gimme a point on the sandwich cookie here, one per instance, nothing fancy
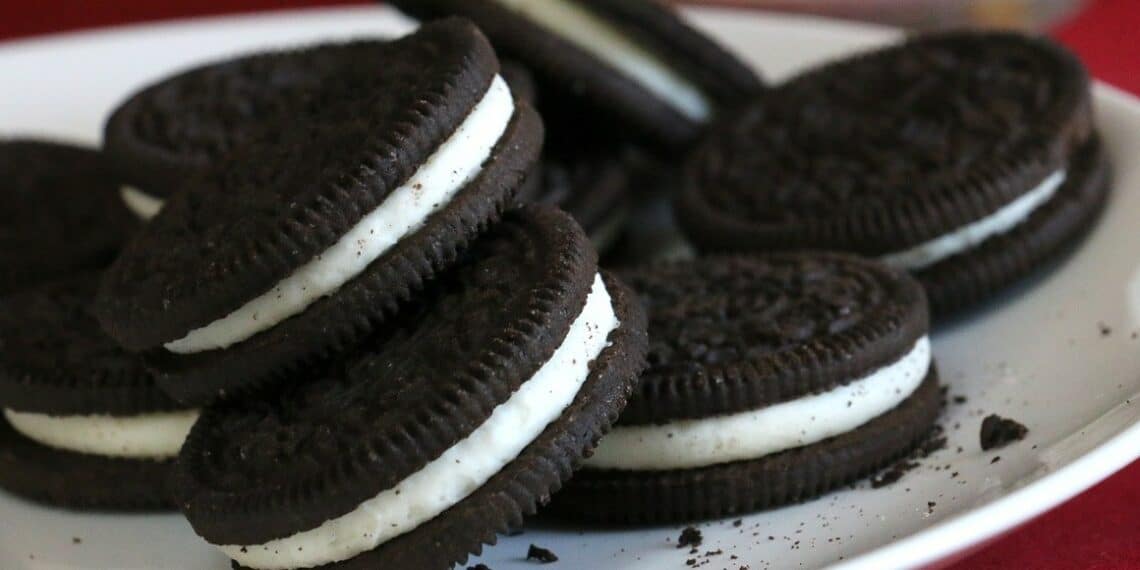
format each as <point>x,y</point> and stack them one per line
<point>442,430</point>
<point>83,424</point>
<point>636,61</point>
<point>966,158</point>
<point>301,243</point>
<point>185,124</point>
<point>771,380</point>
<point>59,213</point>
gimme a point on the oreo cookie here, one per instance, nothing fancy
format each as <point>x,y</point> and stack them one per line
<point>83,424</point>
<point>772,379</point>
<point>968,158</point>
<point>59,213</point>
<point>633,62</point>
<point>442,430</point>
<point>183,125</point>
<point>304,240</point>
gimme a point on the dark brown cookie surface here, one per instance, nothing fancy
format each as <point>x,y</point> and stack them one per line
<point>182,125</point>
<point>573,78</point>
<point>80,481</point>
<point>54,358</point>
<point>521,289</point>
<point>290,195</point>
<point>734,333</point>
<point>60,212</point>
<point>892,150</point>
<point>963,281</point>
<point>253,472</point>
<point>335,322</point>
<point>830,160</point>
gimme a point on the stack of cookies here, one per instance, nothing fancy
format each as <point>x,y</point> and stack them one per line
<point>325,303</point>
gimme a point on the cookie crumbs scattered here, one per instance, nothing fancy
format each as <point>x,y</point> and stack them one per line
<point>999,432</point>
<point>995,459</point>
<point>542,555</point>
<point>930,507</point>
<point>690,537</point>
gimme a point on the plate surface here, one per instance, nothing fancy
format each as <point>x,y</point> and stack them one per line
<point>1060,354</point>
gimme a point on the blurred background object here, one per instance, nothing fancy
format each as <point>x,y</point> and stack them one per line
<point>930,14</point>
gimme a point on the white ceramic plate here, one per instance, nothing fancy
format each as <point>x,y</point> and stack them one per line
<point>1041,356</point>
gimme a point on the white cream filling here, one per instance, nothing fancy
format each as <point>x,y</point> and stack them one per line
<point>456,162</point>
<point>971,235</point>
<point>597,37</point>
<point>461,469</point>
<point>144,436</point>
<point>142,204</point>
<point>687,444</point>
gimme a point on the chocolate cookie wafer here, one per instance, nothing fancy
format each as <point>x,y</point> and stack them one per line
<point>968,158</point>
<point>59,212</point>
<point>83,424</point>
<point>444,429</point>
<point>183,125</point>
<point>772,379</point>
<point>302,242</point>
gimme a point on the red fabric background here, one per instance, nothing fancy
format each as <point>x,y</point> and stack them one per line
<point>1099,529</point>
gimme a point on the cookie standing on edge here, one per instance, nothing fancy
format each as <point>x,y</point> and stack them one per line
<point>59,212</point>
<point>182,125</point>
<point>636,60</point>
<point>771,380</point>
<point>443,430</point>
<point>967,158</point>
<point>321,232</point>
<point>83,424</point>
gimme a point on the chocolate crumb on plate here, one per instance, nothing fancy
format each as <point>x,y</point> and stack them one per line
<point>540,554</point>
<point>998,432</point>
<point>689,537</point>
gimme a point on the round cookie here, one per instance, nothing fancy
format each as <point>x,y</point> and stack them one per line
<point>636,62</point>
<point>436,434</point>
<point>59,212</point>
<point>968,158</point>
<point>771,380</point>
<point>305,240</point>
<point>82,424</point>
<point>185,124</point>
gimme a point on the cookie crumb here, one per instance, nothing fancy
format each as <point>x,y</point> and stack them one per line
<point>1105,330</point>
<point>999,432</point>
<point>542,555</point>
<point>76,540</point>
<point>737,522</point>
<point>690,536</point>
<point>995,459</point>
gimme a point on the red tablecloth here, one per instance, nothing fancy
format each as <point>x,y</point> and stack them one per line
<point>1098,529</point>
